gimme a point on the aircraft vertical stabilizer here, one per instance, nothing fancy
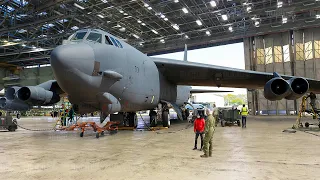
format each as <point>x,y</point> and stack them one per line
<point>185,57</point>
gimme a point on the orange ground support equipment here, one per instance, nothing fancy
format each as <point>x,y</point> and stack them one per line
<point>111,126</point>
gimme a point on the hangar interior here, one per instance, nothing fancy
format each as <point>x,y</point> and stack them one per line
<point>278,35</point>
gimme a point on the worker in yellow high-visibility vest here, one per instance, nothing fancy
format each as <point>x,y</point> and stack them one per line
<point>244,114</point>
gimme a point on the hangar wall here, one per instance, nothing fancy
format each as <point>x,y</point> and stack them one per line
<point>290,53</point>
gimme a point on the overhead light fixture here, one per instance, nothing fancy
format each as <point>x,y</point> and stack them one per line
<point>186,36</point>
<point>162,40</point>
<point>74,27</point>
<point>121,11</point>
<point>78,6</point>
<point>136,36</point>
<point>143,24</point>
<point>198,22</point>
<point>213,3</point>
<point>208,33</point>
<point>125,14</point>
<point>317,16</point>
<point>176,1</point>
<point>100,16</point>
<point>33,47</point>
<point>230,28</point>
<point>249,9</point>
<point>166,19</point>
<point>104,1</point>
<point>154,31</point>
<point>139,21</point>
<point>284,20</point>
<point>122,29</point>
<point>224,17</point>
<point>23,45</point>
<point>279,4</point>
<point>141,44</point>
<point>257,23</point>
<point>175,26</point>
<point>149,8</point>
<point>162,16</point>
<point>5,41</point>
<point>185,10</point>
<point>146,5</point>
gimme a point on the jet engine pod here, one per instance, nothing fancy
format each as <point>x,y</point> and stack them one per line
<point>37,95</point>
<point>3,102</point>
<point>276,89</point>
<point>10,93</point>
<point>298,86</point>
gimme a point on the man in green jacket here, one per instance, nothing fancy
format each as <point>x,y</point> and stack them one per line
<point>208,131</point>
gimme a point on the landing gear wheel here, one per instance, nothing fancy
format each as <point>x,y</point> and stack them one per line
<point>18,116</point>
<point>102,133</point>
<point>306,124</point>
<point>166,118</point>
<point>238,122</point>
<point>153,119</point>
<point>11,128</point>
<point>97,135</point>
<point>133,119</point>
<point>81,134</point>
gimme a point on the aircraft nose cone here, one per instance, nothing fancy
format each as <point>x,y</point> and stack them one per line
<point>78,56</point>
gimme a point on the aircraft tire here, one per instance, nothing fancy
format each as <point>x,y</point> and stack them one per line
<point>81,134</point>
<point>306,124</point>
<point>153,120</point>
<point>166,118</point>
<point>133,119</point>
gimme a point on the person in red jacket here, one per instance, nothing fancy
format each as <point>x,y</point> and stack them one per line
<point>199,125</point>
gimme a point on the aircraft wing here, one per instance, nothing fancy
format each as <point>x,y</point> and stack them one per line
<point>197,74</point>
<point>207,91</point>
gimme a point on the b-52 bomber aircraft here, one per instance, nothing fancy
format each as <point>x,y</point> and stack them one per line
<point>98,71</point>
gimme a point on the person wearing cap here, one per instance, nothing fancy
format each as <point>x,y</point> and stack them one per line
<point>198,129</point>
<point>208,131</point>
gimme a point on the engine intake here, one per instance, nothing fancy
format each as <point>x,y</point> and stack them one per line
<point>37,95</point>
<point>298,86</point>
<point>10,93</point>
<point>276,88</point>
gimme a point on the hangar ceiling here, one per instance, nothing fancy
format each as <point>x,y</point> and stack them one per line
<point>30,29</point>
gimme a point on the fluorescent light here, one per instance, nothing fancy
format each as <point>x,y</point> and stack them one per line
<point>249,8</point>
<point>198,22</point>
<point>166,19</point>
<point>122,29</point>
<point>176,1</point>
<point>5,41</point>
<point>224,17</point>
<point>185,10</point>
<point>284,20</point>
<point>78,6</point>
<point>162,40</point>
<point>213,3</point>
<point>141,44</point>
<point>33,47</point>
<point>146,5</point>
<point>23,45</point>
<point>104,1</point>
<point>230,28</point>
<point>149,8</point>
<point>121,11</point>
<point>136,36</point>
<point>143,24</point>
<point>186,36</point>
<point>175,26</point>
<point>125,14</point>
<point>256,23</point>
<point>162,16</point>
<point>279,4</point>
<point>139,21</point>
<point>99,15</point>
<point>208,33</point>
<point>317,16</point>
<point>74,27</point>
<point>154,31</point>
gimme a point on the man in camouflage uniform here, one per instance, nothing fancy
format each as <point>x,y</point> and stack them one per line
<point>209,130</point>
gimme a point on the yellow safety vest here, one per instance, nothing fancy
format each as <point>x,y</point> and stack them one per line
<point>244,111</point>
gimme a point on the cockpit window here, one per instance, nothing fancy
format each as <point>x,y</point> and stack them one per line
<point>107,41</point>
<point>114,41</point>
<point>120,45</point>
<point>96,37</point>
<point>78,36</point>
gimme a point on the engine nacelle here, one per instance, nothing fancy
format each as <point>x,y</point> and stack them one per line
<point>10,93</point>
<point>298,87</point>
<point>276,89</point>
<point>37,95</point>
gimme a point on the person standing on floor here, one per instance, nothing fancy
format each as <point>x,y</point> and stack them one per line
<point>199,124</point>
<point>209,130</point>
<point>244,114</point>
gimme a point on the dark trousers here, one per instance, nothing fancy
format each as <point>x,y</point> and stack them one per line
<point>196,139</point>
<point>244,121</point>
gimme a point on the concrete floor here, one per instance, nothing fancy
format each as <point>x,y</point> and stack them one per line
<point>261,151</point>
